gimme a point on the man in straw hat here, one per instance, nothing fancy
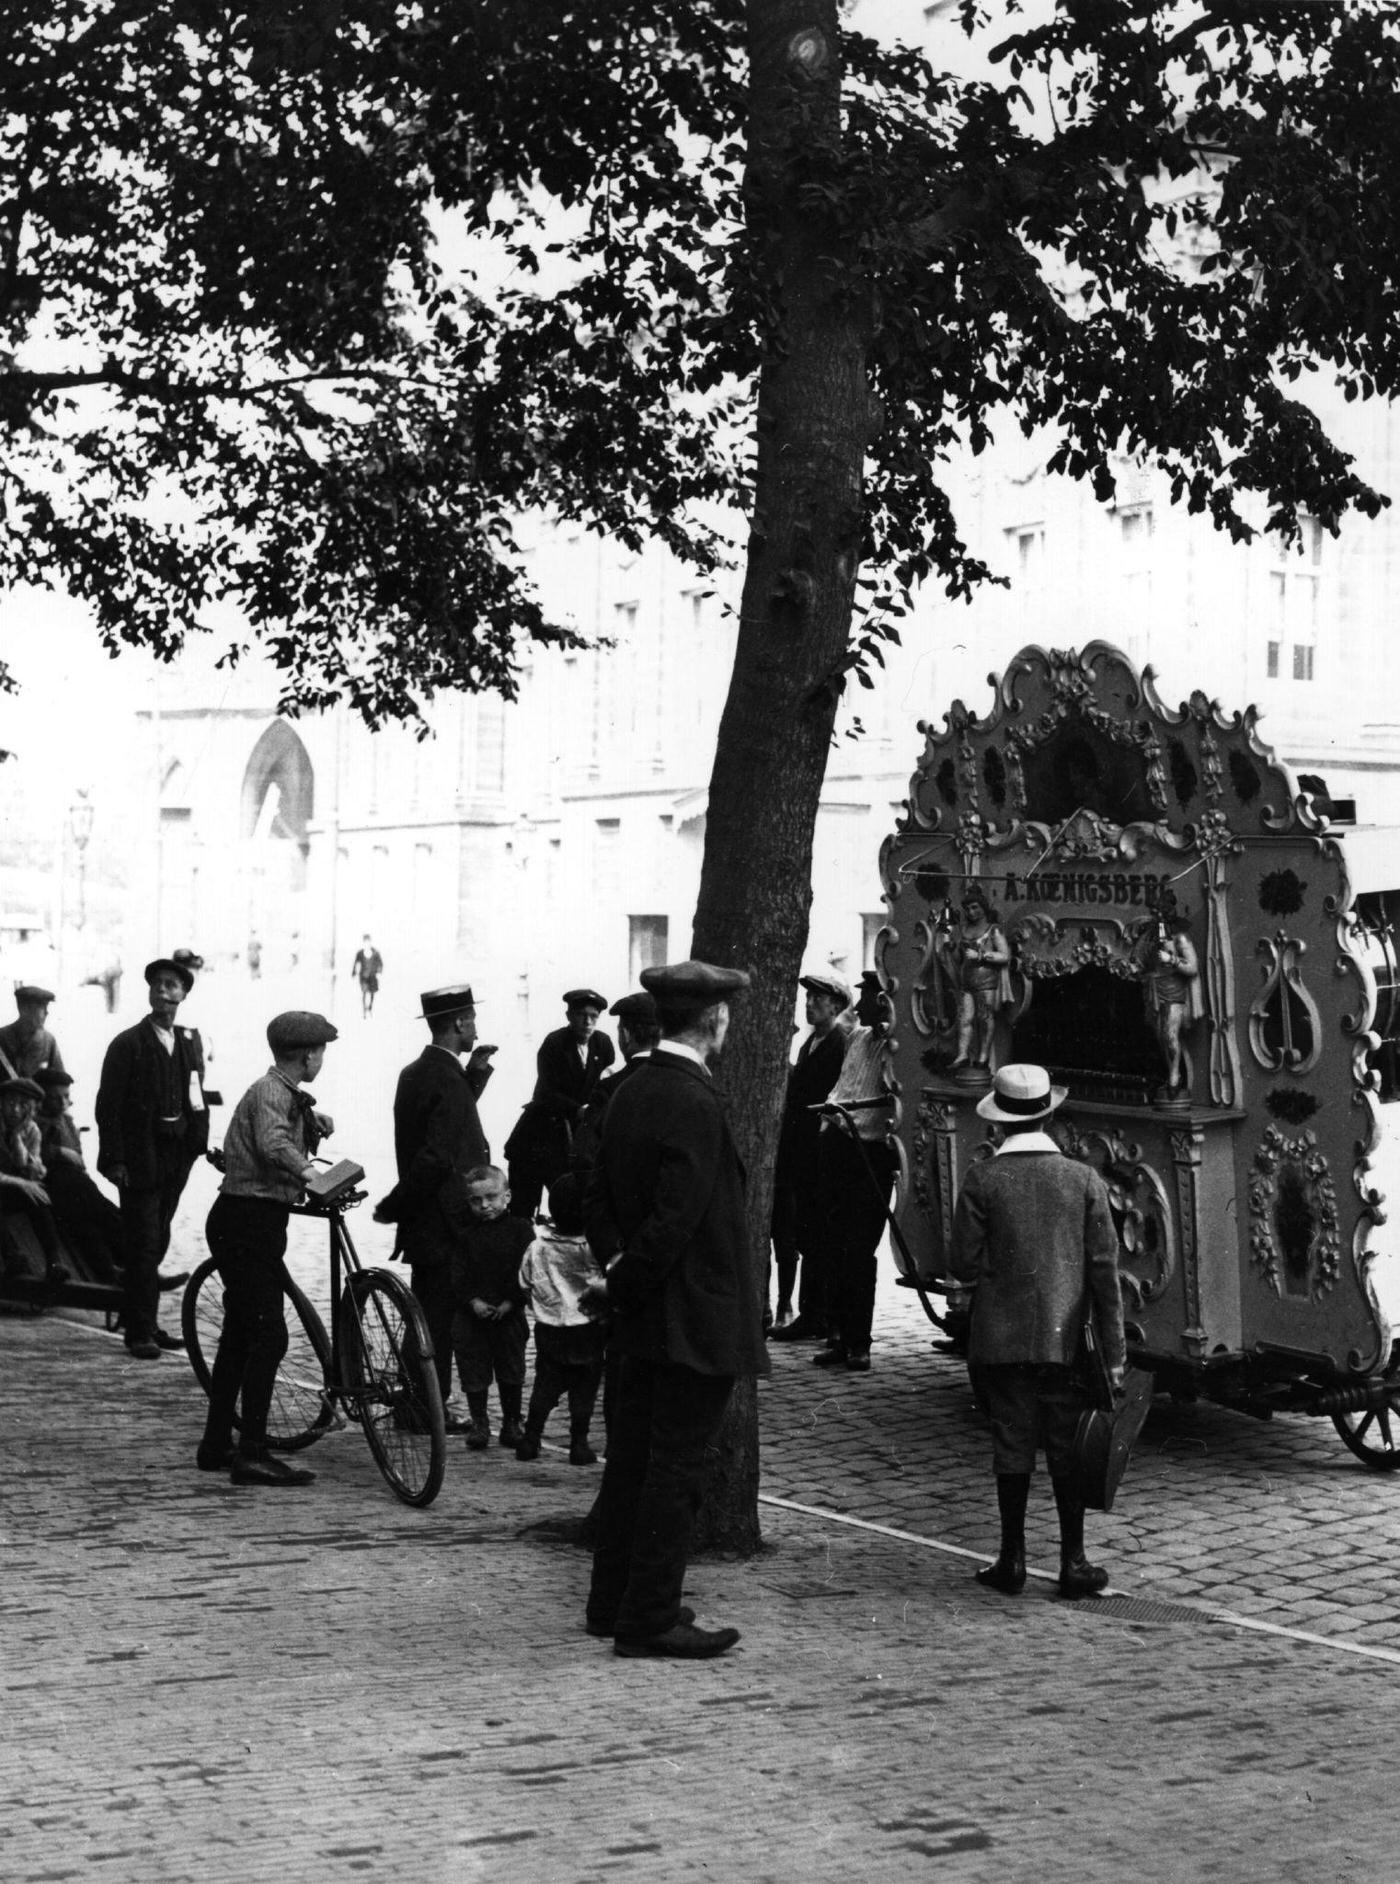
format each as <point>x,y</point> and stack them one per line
<point>1034,1240</point>
<point>665,1212</point>
<point>437,1132</point>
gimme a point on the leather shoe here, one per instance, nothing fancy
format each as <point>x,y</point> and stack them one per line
<point>858,1363</point>
<point>456,1423</point>
<point>1007,1574</point>
<point>798,1330</point>
<point>215,1458</point>
<point>478,1435</point>
<point>265,1470</point>
<point>682,1640</point>
<point>168,1343</point>
<point>528,1448</point>
<point>512,1432</point>
<point>830,1357</point>
<point>1079,1577</point>
<point>144,1349</point>
<point>684,1614</point>
<point>581,1453</point>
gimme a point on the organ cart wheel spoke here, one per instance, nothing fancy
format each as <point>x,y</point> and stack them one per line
<point>1373,1432</point>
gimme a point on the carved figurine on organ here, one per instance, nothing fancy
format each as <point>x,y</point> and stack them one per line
<point>1145,901</point>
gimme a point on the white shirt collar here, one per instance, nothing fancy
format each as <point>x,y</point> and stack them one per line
<point>1027,1141</point>
<point>690,1053</point>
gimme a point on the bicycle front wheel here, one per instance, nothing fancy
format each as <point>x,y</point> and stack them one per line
<point>300,1410</point>
<point>387,1359</point>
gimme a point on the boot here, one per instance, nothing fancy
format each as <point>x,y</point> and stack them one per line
<point>527,1446</point>
<point>479,1432</point>
<point>580,1452</point>
<point>1078,1577</point>
<point>512,1432</point>
<point>1008,1573</point>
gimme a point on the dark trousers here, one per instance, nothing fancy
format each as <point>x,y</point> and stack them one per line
<point>491,1350</point>
<point>91,1221</point>
<point>857,1195</point>
<point>664,1419</point>
<point>801,1227</point>
<point>565,1365</point>
<point>41,1220</point>
<point>433,1288</point>
<point>146,1218</point>
<point>247,1238</point>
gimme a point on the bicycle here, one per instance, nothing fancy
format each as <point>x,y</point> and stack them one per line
<point>376,1363</point>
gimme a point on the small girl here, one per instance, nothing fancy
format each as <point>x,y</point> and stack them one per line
<point>557,1267</point>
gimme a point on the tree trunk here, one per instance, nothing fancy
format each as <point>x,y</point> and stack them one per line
<point>805,536</point>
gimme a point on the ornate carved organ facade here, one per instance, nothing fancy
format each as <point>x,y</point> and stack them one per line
<point>1201,948</point>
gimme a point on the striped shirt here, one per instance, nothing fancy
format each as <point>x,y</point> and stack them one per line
<point>270,1138</point>
<point>862,1076</point>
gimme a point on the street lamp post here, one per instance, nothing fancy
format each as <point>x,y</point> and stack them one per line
<point>80,815</point>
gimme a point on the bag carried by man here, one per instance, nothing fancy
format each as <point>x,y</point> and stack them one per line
<point>1109,1426</point>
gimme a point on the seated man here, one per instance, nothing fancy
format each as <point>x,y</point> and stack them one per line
<point>26,1045</point>
<point>22,1189</point>
<point>86,1216</point>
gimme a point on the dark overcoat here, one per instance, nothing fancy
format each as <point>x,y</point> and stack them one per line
<point>667,1195</point>
<point>437,1132</point>
<point>541,1142</point>
<point>130,1092</point>
<point>810,1079</point>
<point>1033,1237</point>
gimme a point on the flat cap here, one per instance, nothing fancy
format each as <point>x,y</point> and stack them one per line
<point>30,993</point>
<point>585,997</point>
<point>166,964</point>
<point>52,1076</point>
<point>827,984</point>
<point>298,1027</point>
<point>28,1087</point>
<point>693,983</point>
<point>635,1007</point>
<point>438,1003</point>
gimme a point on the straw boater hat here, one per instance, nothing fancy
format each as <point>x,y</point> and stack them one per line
<point>1021,1092</point>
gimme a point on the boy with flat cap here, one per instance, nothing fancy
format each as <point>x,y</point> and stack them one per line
<point>437,1132</point>
<point>152,1124</point>
<point>267,1160</point>
<point>23,1190</point>
<point>568,1067</point>
<point>665,1212</point>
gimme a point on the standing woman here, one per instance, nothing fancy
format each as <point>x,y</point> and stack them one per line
<point>1034,1240</point>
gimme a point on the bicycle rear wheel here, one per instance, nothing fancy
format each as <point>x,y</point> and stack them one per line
<point>387,1360</point>
<point>300,1410</point>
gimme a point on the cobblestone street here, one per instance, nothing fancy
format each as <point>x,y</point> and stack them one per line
<point>209,1683</point>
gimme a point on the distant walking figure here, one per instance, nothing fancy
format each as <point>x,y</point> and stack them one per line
<point>368,966</point>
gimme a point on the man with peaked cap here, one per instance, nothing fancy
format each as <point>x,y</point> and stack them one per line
<point>437,1132</point>
<point>23,1190</point>
<point>665,1214</point>
<point>152,1124</point>
<point>568,1066</point>
<point>26,1045</point>
<point>801,1221</point>
<point>638,1031</point>
<point>1033,1238</point>
<point>267,1157</point>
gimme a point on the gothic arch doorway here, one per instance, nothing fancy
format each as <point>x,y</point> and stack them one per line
<point>277,805</point>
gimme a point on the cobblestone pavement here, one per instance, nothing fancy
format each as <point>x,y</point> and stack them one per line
<point>206,1683</point>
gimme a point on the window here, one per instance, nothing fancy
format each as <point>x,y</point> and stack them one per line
<point>870,927</point>
<point>1295,584</point>
<point>624,620</point>
<point>647,938</point>
<point>1026,541</point>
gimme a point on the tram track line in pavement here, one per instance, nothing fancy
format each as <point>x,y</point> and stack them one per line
<point>1113,1603</point>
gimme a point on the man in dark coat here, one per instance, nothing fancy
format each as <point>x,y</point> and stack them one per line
<point>152,1124</point>
<point>437,1132</point>
<point>27,1048</point>
<point>665,1213</point>
<point>568,1066</point>
<point>801,1218</point>
<point>1033,1238</point>
<point>637,1033</point>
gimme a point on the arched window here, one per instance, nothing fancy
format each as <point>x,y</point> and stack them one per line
<point>279,787</point>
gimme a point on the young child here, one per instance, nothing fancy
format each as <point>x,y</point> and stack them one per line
<point>489,1329</point>
<point>22,1172</point>
<point>266,1160</point>
<point>558,1266</point>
